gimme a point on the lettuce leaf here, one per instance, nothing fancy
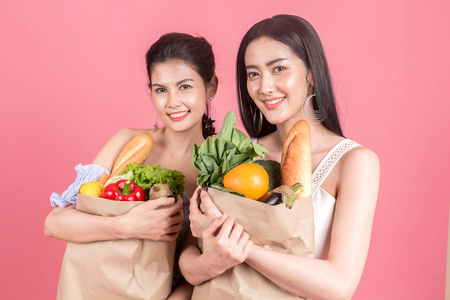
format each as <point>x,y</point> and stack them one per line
<point>146,176</point>
<point>217,155</point>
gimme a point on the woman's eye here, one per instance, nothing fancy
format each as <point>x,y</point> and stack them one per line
<point>185,86</point>
<point>252,74</point>
<point>278,69</point>
<point>160,90</point>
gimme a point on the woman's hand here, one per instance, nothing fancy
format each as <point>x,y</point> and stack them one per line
<point>225,245</point>
<point>200,221</point>
<point>152,220</point>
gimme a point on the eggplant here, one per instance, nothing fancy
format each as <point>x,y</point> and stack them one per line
<point>273,199</point>
<point>282,194</point>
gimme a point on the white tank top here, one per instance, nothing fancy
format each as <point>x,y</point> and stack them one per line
<point>323,203</point>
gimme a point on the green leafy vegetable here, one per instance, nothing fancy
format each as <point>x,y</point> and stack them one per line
<point>146,176</point>
<point>217,155</point>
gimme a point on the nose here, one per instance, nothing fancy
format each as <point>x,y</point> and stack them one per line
<point>173,99</point>
<point>267,85</point>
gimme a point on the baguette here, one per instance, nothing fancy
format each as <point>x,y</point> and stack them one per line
<point>296,159</point>
<point>135,151</point>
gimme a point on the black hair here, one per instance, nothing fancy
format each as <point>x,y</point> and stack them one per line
<point>196,51</point>
<point>304,42</point>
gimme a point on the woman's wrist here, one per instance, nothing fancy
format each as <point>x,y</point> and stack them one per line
<point>205,266</point>
<point>255,253</point>
<point>121,228</point>
<point>195,266</point>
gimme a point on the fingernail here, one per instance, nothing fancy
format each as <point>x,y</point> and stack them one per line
<point>202,193</point>
<point>223,216</point>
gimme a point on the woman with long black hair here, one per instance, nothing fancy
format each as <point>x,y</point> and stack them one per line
<point>283,77</point>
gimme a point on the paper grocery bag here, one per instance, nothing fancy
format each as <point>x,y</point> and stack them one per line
<point>273,227</point>
<point>120,269</point>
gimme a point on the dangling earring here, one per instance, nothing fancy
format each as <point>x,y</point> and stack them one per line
<point>208,125</point>
<point>314,116</point>
<point>156,125</point>
<point>208,122</point>
<point>257,123</point>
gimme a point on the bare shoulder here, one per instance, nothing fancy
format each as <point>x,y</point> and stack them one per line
<point>114,145</point>
<point>130,133</point>
<point>360,159</point>
<point>124,133</point>
<point>359,172</point>
<point>121,137</point>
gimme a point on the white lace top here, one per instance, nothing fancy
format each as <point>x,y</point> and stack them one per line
<point>323,203</point>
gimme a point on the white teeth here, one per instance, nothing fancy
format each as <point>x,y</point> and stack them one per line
<point>178,115</point>
<point>274,101</point>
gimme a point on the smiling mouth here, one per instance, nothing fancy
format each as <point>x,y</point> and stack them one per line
<point>274,101</point>
<point>178,114</point>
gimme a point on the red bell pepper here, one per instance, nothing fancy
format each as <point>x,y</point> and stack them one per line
<point>124,190</point>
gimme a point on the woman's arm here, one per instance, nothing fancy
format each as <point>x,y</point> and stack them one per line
<point>143,221</point>
<point>339,275</point>
<point>225,245</point>
<point>66,223</point>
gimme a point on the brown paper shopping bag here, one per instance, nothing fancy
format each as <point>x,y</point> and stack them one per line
<point>274,227</point>
<point>120,269</point>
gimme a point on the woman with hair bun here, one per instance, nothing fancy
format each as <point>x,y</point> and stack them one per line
<point>182,81</point>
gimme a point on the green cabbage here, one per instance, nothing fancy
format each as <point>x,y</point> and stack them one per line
<point>127,176</point>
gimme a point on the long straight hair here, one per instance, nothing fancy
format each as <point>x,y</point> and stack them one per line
<point>302,39</point>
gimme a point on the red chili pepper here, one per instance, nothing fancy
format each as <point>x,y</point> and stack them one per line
<point>124,190</point>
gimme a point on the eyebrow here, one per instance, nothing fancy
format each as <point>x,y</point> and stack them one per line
<point>184,80</point>
<point>273,61</point>
<point>178,83</point>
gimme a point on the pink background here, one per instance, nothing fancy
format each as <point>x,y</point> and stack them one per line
<point>73,72</point>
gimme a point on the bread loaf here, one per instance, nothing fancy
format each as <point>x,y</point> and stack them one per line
<point>296,159</point>
<point>135,151</point>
